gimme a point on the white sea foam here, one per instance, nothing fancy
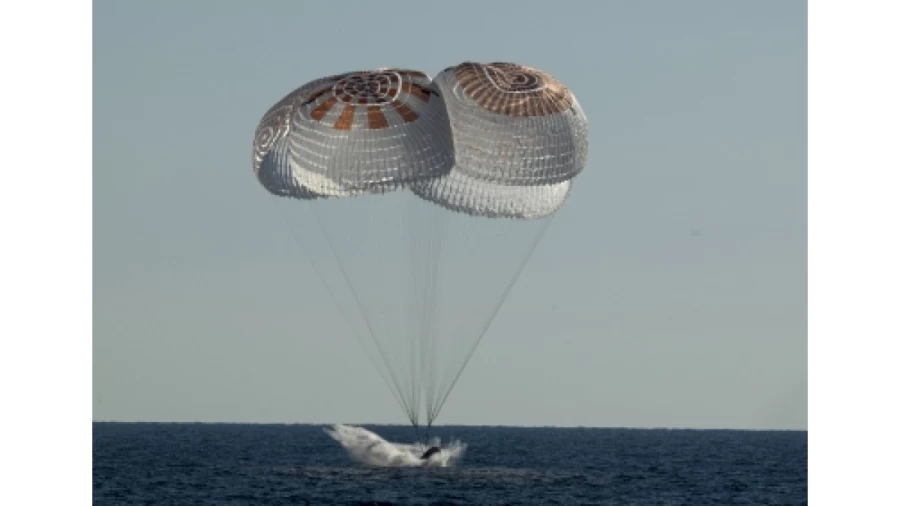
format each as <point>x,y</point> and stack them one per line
<point>369,448</point>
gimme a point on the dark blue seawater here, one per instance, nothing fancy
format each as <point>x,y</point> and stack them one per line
<point>136,463</point>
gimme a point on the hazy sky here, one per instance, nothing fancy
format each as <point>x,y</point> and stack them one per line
<point>670,291</point>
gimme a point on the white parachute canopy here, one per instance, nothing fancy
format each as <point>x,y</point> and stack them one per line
<point>419,203</point>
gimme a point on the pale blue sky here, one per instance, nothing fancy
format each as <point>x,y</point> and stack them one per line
<point>669,291</point>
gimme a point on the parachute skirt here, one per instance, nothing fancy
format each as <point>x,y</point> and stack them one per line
<point>462,193</point>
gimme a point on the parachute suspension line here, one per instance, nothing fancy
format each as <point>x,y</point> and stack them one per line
<point>340,308</point>
<point>435,349</point>
<point>426,246</point>
<point>413,345</point>
<point>433,324</point>
<point>421,243</point>
<point>410,377</point>
<point>433,413</point>
<point>409,334</point>
<point>413,416</point>
<point>425,229</point>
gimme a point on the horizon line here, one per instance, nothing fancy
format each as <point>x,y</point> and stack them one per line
<point>467,425</point>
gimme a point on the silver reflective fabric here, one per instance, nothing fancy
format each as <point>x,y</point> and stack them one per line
<point>271,151</point>
<point>370,132</point>
<point>275,173</point>
<point>513,124</point>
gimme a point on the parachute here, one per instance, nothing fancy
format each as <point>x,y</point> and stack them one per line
<point>419,202</point>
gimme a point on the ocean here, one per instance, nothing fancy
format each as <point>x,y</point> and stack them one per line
<point>172,463</point>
